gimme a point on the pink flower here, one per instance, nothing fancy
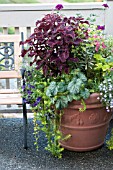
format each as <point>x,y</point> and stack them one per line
<point>95,36</point>
<point>97,45</point>
<point>103,45</point>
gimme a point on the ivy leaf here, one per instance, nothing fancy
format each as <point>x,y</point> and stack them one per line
<point>76,97</point>
<point>61,103</point>
<point>70,97</point>
<point>61,87</point>
<point>52,89</point>
<point>82,77</point>
<point>74,86</point>
<point>85,93</point>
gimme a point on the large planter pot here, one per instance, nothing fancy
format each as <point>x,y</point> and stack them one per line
<point>87,129</point>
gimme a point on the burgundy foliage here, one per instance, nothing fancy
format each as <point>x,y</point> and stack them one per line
<point>50,46</point>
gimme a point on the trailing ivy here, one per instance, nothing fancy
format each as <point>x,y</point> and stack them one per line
<point>110,141</point>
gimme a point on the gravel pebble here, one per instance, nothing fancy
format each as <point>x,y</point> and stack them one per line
<point>14,157</point>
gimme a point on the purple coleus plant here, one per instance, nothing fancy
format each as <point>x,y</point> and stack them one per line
<point>50,46</point>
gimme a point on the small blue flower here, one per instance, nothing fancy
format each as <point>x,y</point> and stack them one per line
<point>29,92</point>
<point>28,73</point>
<point>23,87</point>
<point>31,86</point>
<point>37,102</point>
<point>24,100</point>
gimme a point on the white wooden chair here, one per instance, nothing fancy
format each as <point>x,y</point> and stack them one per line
<point>10,69</point>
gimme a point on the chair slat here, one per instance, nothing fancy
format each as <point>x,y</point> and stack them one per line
<point>10,99</point>
<point>9,91</point>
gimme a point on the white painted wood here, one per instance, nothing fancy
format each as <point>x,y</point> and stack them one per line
<point>9,96</point>
<point>109,18</point>
<point>10,99</point>
<point>49,6</point>
<point>9,91</point>
<point>5,30</point>
<point>25,15</point>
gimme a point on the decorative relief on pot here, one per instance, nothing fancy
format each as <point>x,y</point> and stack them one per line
<point>94,118</point>
<point>74,119</point>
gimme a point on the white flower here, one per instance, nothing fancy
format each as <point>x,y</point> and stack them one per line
<point>105,95</point>
<point>109,80</point>
<point>110,86</point>
<point>110,95</point>
<point>107,107</point>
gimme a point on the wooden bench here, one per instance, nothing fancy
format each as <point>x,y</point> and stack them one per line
<point>10,69</point>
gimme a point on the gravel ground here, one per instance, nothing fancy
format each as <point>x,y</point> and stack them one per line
<point>14,157</point>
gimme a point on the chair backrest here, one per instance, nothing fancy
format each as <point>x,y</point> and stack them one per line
<point>9,56</point>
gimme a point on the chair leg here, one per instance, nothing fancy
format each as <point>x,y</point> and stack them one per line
<point>25,125</point>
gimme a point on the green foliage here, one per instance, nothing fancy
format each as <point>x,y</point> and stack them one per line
<point>103,64</point>
<point>84,106</point>
<point>110,141</point>
<point>11,30</point>
<point>47,97</point>
<point>44,110</point>
<point>62,91</point>
<point>106,91</point>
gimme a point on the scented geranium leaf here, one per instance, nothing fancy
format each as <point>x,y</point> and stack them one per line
<point>85,93</point>
<point>98,66</point>
<point>99,57</point>
<point>61,103</point>
<point>52,89</point>
<point>105,67</point>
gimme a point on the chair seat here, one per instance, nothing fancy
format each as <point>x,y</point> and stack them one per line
<point>6,99</point>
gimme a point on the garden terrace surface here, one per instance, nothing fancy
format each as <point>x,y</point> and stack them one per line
<point>14,157</point>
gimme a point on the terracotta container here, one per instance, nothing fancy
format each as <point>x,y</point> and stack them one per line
<point>87,129</point>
